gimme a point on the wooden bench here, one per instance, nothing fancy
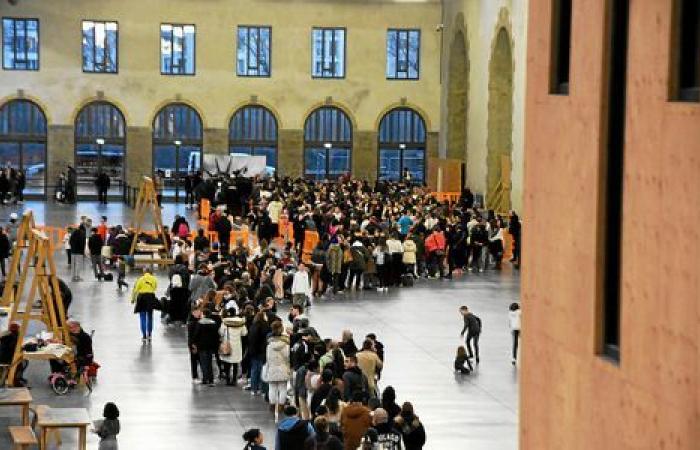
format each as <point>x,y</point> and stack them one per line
<point>22,437</point>
<point>53,433</point>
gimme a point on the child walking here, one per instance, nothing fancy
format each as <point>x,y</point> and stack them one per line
<point>108,428</point>
<point>514,322</point>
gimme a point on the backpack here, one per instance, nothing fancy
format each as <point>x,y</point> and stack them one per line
<point>176,281</point>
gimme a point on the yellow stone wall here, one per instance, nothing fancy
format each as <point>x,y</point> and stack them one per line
<point>480,21</point>
<point>139,90</point>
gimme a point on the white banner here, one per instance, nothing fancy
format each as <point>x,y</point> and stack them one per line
<point>248,166</point>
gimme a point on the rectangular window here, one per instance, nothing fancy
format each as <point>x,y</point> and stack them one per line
<point>253,52</point>
<point>20,44</point>
<point>685,74</point>
<point>100,43</point>
<point>613,161</point>
<point>177,45</point>
<point>328,59</point>
<point>561,47</point>
<point>402,54</point>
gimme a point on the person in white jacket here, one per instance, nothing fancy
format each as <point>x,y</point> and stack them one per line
<point>232,330</point>
<point>301,287</point>
<point>514,321</point>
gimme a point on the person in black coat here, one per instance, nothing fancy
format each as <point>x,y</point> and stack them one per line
<point>257,345</point>
<point>223,228</point>
<point>77,242</point>
<point>354,381</point>
<point>514,230</point>
<point>102,183</point>
<point>472,325</point>
<point>206,343</point>
<point>179,290</point>
<point>411,428</point>
<point>95,247</point>
<point>467,198</point>
<point>5,247</point>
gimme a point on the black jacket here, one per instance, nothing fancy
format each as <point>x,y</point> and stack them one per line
<point>257,339</point>
<point>472,324</point>
<point>4,245</point>
<point>206,335</point>
<point>354,381</point>
<point>94,244</point>
<point>83,344</point>
<point>77,241</point>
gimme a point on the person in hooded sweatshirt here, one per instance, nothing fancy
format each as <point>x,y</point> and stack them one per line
<point>388,436</point>
<point>323,440</point>
<point>411,428</point>
<point>278,370</point>
<point>292,431</point>
<point>355,420</point>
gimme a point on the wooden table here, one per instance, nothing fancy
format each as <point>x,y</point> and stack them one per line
<point>56,418</point>
<point>17,397</point>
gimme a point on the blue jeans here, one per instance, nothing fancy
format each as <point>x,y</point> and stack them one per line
<point>146,323</point>
<point>256,364</point>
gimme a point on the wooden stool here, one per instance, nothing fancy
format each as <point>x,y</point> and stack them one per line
<point>22,437</point>
<point>55,434</point>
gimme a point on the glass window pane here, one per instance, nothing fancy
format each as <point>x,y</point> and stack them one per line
<point>339,162</point>
<point>414,161</point>
<point>315,163</point>
<point>242,51</point>
<point>270,154</point>
<point>389,164</point>
<point>8,54</point>
<point>34,166</point>
<point>111,48</point>
<point>240,151</point>
<point>9,154</point>
<point>166,48</point>
<point>88,40</point>
<point>264,63</point>
<point>190,50</point>
<point>339,53</point>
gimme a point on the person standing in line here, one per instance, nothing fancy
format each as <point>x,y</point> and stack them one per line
<point>77,243</point>
<point>158,186</point>
<point>108,428</point>
<point>278,371</point>
<point>472,325</point>
<point>412,431</point>
<point>514,321</point>
<point>144,297</point>
<point>4,185</point>
<point>21,184</point>
<point>232,330</point>
<point>206,343</point>
<point>254,439</point>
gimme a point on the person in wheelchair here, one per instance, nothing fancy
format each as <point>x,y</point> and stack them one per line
<point>8,343</point>
<point>82,349</point>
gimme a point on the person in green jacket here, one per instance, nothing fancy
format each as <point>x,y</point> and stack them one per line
<point>144,297</point>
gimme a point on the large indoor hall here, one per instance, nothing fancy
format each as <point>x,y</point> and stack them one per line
<point>349,224</point>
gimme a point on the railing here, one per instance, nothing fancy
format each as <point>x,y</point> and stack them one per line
<point>452,197</point>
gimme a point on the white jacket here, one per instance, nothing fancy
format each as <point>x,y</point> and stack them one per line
<point>234,335</point>
<point>300,284</point>
<point>514,319</point>
<point>277,353</point>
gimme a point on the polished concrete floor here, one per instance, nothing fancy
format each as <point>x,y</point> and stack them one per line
<point>419,326</point>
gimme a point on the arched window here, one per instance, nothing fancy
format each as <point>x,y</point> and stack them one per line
<point>23,142</point>
<point>177,146</point>
<point>327,143</point>
<point>100,143</point>
<point>253,132</point>
<point>402,146</point>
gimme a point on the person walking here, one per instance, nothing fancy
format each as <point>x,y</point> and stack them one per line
<point>144,297</point>
<point>514,322</point>
<point>278,371</point>
<point>472,325</point>
<point>301,287</point>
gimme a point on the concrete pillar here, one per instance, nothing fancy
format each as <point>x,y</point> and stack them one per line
<point>290,153</point>
<point>60,149</point>
<point>139,154</point>
<point>215,141</point>
<point>364,155</point>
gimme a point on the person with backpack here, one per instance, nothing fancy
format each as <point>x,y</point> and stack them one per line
<point>292,431</point>
<point>472,325</point>
<point>354,381</point>
<point>388,437</point>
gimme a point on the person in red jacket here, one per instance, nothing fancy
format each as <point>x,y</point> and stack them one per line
<point>435,247</point>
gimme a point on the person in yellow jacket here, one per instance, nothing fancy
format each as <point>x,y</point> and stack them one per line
<point>144,296</point>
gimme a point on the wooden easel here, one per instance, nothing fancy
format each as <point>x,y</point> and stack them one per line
<point>146,200</point>
<point>39,267</point>
<point>24,237</point>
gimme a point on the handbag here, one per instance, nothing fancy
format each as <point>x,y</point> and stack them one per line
<point>263,373</point>
<point>156,304</point>
<point>106,252</point>
<point>225,346</point>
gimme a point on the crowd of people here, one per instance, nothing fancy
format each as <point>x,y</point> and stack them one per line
<point>12,184</point>
<point>321,391</point>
